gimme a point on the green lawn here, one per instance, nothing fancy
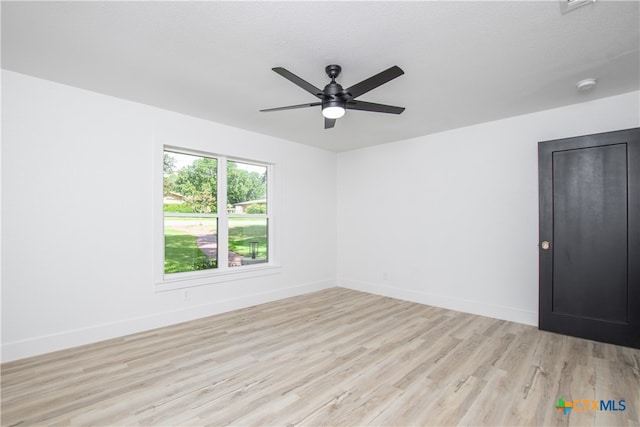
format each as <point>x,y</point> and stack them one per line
<point>244,231</point>
<point>181,253</point>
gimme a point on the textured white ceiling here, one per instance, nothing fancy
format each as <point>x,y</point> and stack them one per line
<point>464,62</point>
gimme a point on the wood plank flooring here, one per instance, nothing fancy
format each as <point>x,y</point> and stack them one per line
<point>336,357</point>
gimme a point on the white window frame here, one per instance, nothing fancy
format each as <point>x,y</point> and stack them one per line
<point>223,273</point>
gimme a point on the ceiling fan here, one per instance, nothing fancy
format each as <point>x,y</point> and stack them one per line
<point>335,100</point>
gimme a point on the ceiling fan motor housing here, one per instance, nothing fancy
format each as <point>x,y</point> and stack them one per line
<point>333,89</point>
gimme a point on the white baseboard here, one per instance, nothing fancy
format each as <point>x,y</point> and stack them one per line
<point>68,339</point>
<point>443,301</point>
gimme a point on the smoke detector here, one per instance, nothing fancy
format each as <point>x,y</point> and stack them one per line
<point>586,84</point>
<point>569,5</point>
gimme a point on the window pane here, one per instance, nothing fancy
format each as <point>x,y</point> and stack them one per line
<point>246,188</point>
<point>190,243</point>
<point>247,241</point>
<point>190,183</point>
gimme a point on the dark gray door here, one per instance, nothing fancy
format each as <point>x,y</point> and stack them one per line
<point>590,236</point>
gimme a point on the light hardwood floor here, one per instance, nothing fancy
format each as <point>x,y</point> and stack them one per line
<point>335,357</point>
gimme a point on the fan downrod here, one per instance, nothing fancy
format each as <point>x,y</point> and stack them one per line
<point>333,71</point>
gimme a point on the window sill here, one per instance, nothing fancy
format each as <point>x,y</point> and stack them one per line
<point>198,278</point>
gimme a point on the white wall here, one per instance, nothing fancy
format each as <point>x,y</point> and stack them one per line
<point>77,210</point>
<point>447,219</point>
<point>451,219</point>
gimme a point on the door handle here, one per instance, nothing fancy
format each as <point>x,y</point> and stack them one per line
<point>545,245</point>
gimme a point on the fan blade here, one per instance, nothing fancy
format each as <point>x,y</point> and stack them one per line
<point>370,106</point>
<point>375,81</point>
<point>329,123</point>
<point>298,81</point>
<point>292,107</point>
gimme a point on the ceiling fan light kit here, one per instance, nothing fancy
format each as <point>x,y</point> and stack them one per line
<point>335,100</point>
<point>333,109</point>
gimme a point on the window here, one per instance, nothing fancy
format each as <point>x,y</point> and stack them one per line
<point>215,213</point>
<point>247,213</point>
